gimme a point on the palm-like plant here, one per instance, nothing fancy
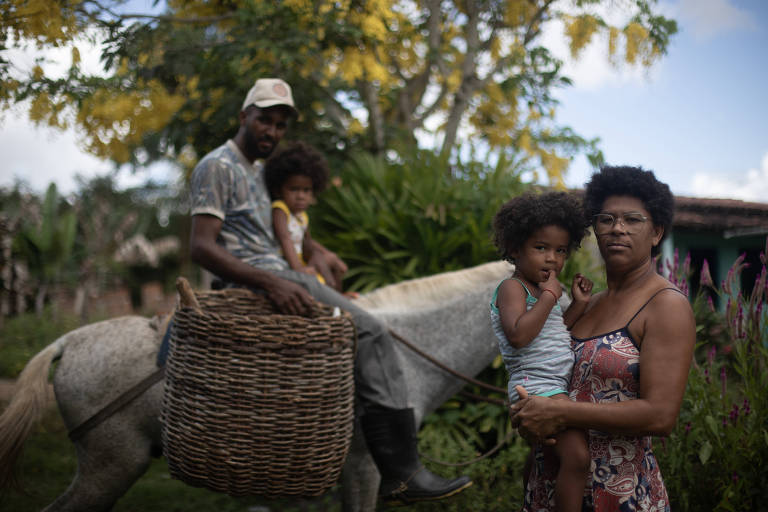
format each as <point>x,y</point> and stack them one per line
<point>418,215</point>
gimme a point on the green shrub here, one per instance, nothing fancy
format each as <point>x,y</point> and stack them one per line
<point>716,457</point>
<point>392,220</point>
<point>498,482</point>
<point>23,336</point>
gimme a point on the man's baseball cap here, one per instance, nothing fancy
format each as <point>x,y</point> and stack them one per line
<point>268,92</point>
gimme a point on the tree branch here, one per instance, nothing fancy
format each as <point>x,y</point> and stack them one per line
<point>469,82</point>
<point>156,17</point>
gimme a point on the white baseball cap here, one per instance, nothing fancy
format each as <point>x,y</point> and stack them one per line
<point>268,92</point>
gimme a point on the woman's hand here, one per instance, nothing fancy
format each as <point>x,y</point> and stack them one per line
<point>534,422</point>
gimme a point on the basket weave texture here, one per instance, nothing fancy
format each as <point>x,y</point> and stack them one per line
<point>257,403</point>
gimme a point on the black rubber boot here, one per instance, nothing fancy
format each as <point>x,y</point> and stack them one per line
<point>391,438</point>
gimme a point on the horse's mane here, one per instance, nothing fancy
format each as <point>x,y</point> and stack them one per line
<point>425,292</point>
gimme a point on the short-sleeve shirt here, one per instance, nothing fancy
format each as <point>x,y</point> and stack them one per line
<point>226,185</point>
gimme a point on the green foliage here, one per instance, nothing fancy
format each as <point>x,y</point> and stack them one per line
<point>498,481</point>
<point>174,80</point>
<point>23,336</point>
<point>47,242</point>
<point>418,215</point>
<point>584,261</point>
<point>716,457</point>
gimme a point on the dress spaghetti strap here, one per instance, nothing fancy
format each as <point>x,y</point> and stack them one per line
<point>523,285</point>
<point>648,302</point>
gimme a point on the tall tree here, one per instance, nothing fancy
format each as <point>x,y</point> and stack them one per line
<point>367,73</point>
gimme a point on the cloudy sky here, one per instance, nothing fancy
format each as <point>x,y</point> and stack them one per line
<point>699,118</point>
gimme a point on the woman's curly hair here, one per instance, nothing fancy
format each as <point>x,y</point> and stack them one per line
<point>298,158</point>
<point>633,182</point>
<point>517,220</point>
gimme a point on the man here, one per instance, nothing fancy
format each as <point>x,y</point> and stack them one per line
<point>232,237</point>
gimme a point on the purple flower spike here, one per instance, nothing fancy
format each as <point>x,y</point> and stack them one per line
<point>745,407</point>
<point>706,276</point>
<point>723,379</point>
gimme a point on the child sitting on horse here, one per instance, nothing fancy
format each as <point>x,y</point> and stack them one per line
<point>294,177</point>
<point>537,232</point>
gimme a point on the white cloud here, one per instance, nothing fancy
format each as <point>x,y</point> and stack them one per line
<point>39,154</point>
<point>708,18</point>
<point>56,61</point>
<point>750,186</point>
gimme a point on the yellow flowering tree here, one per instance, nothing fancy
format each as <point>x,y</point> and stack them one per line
<point>366,74</point>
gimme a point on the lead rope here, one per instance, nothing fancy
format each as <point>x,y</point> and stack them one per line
<point>470,380</point>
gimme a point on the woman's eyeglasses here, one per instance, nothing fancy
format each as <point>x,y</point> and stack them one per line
<point>632,222</point>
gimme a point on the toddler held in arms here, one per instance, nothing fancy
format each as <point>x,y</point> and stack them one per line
<point>537,232</point>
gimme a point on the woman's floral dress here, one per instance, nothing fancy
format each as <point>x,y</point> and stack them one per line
<point>624,474</point>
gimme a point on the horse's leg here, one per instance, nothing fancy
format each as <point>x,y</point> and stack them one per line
<point>105,472</point>
<point>360,478</point>
<point>113,455</point>
<point>96,368</point>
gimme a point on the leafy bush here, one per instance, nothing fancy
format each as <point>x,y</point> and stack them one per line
<point>418,215</point>
<point>716,457</point>
<point>23,336</point>
<point>498,482</point>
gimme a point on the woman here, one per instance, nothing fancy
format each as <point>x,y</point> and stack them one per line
<point>633,345</point>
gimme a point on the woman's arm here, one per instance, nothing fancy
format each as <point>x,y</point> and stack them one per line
<point>667,334</point>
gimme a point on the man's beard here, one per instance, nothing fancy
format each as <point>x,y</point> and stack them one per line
<point>252,145</point>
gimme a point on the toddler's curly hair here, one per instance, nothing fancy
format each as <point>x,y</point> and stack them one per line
<point>517,219</point>
<point>298,158</point>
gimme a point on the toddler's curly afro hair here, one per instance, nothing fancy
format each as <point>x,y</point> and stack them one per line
<point>298,158</point>
<point>517,219</point>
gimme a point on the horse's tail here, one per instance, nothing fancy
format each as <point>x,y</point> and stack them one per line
<point>31,397</point>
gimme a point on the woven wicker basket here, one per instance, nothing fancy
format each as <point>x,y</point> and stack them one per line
<point>257,403</point>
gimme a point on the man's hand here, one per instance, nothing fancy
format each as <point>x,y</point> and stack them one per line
<point>319,262</point>
<point>289,297</point>
<point>308,269</point>
<point>335,263</point>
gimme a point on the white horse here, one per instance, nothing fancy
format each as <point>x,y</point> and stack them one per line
<point>445,315</point>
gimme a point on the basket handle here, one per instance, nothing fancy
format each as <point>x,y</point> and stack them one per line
<point>186,294</point>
